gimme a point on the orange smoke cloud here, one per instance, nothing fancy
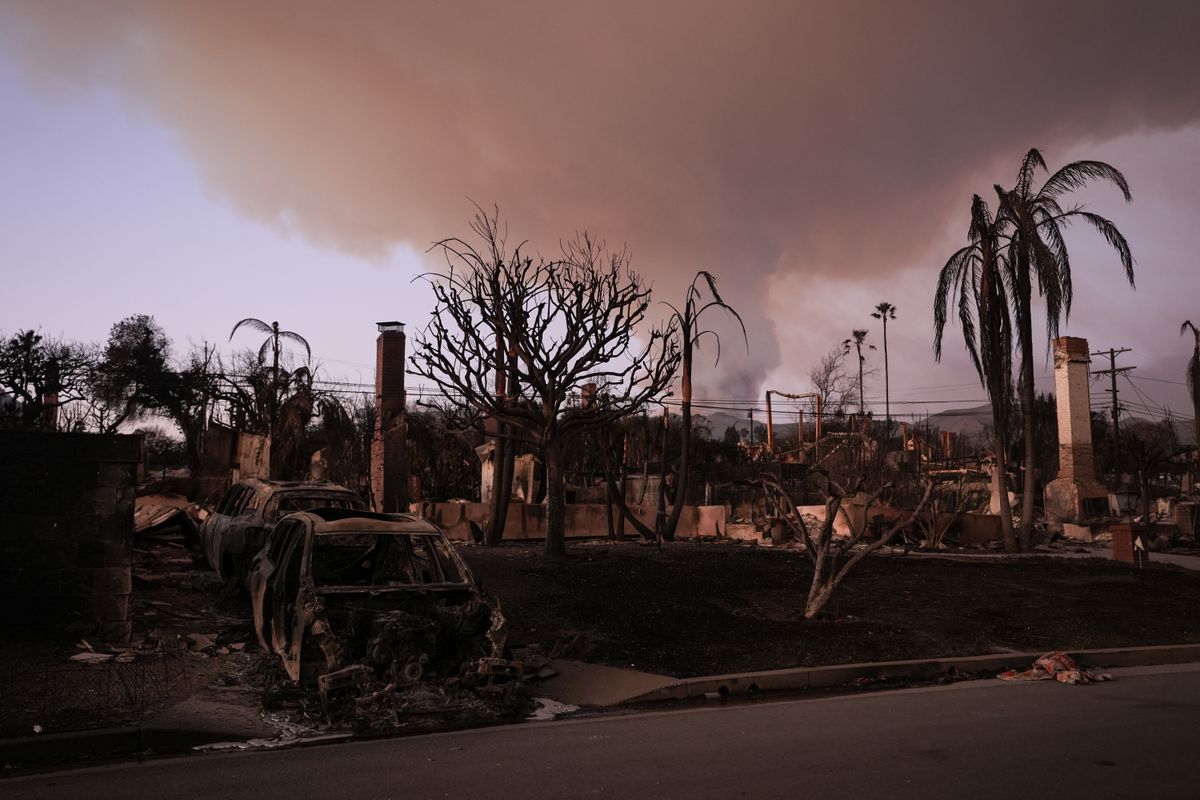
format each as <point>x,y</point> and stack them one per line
<point>753,140</point>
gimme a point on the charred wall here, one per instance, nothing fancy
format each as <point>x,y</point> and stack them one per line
<point>66,528</point>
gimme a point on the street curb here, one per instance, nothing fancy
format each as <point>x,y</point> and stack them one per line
<point>743,683</point>
<point>67,746</point>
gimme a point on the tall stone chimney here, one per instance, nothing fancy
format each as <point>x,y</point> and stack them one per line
<point>389,465</point>
<point>1075,493</point>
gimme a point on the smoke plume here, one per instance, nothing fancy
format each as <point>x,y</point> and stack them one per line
<point>780,145</point>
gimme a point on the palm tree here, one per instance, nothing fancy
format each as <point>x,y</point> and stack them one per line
<point>1033,223</point>
<point>1193,377</point>
<point>856,340</point>
<point>274,340</point>
<point>273,343</point>
<point>974,280</point>
<point>690,333</point>
<point>297,404</point>
<point>885,311</point>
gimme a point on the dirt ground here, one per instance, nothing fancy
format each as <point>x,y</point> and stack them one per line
<point>187,638</point>
<point>699,609</point>
<point>689,609</point>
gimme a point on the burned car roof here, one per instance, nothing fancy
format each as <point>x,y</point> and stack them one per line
<point>342,520</point>
<point>266,487</point>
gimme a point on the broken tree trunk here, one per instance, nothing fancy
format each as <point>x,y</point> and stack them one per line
<point>833,560</point>
<point>616,496</point>
<point>506,449</point>
<point>502,480</point>
<point>616,489</point>
<point>556,543</point>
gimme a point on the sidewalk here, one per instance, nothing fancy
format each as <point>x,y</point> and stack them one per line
<point>598,686</point>
<point>206,717</point>
<point>581,684</point>
<point>577,683</point>
<point>918,669</point>
<point>1177,559</point>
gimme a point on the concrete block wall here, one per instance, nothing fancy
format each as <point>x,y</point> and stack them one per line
<point>66,530</point>
<point>583,520</point>
<point>527,521</point>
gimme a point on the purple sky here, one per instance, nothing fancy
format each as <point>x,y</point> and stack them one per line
<point>293,164</point>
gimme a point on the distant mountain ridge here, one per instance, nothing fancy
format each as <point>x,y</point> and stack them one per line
<point>963,421</point>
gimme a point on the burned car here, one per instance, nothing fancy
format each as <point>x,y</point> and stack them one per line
<point>352,597</point>
<point>237,529</point>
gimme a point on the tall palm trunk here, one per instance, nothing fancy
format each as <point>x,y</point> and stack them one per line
<point>1193,380</point>
<point>887,389</point>
<point>998,384</point>
<point>681,483</point>
<point>660,519</point>
<point>1028,486</point>
<point>1000,483</point>
<point>861,409</point>
<point>1025,324</point>
<point>277,466</point>
<point>274,409</point>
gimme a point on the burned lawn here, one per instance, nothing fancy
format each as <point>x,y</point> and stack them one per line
<point>714,608</point>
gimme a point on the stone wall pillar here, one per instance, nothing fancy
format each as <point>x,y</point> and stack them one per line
<point>66,531</point>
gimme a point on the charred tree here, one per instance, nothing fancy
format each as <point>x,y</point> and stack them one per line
<point>506,450</point>
<point>974,281</point>
<point>833,560</point>
<point>690,334</point>
<point>568,322</point>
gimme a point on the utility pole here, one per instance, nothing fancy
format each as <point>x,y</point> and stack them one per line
<point>1112,372</point>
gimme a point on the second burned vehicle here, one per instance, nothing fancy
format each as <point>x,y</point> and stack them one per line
<point>357,598</point>
<point>237,529</point>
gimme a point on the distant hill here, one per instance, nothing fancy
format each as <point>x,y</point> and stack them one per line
<point>1184,431</point>
<point>972,421</point>
<point>966,421</point>
<point>718,421</point>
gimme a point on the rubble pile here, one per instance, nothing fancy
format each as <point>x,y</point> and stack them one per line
<point>165,513</point>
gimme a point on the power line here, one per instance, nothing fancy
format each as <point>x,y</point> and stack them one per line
<point>1145,377</point>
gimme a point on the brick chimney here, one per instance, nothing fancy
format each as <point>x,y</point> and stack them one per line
<point>389,466</point>
<point>1074,494</point>
<point>50,402</point>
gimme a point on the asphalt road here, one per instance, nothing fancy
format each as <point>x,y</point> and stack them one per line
<point>1135,737</point>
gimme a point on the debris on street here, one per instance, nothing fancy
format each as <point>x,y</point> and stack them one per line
<point>1056,666</point>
